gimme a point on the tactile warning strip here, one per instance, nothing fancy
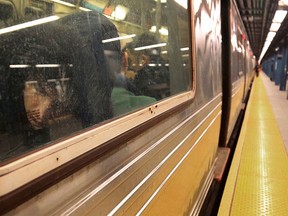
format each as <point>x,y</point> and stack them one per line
<point>257,183</point>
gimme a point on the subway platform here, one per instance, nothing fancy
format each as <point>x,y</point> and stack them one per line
<point>258,177</point>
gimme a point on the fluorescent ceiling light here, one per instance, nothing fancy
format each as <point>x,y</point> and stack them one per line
<point>150,46</point>
<point>28,24</point>
<point>184,49</point>
<point>277,20</point>
<point>31,82</point>
<point>63,3</point>
<point>118,38</point>
<point>19,66</point>
<point>55,80</point>
<point>52,80</point>
<point>47,65</point>
<point>183,3</point>
<point>162,1</point>
<point>275,26</point>
<point>84,9</point>
<point>279,16</point>
<point>264,49</point>
<point>270,36</point>
<point>267,44</point>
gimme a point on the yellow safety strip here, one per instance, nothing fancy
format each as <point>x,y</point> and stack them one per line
<point>257,183</point>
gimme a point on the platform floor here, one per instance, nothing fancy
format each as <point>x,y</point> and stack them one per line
<point>258,177</point>
<point>279,102</point>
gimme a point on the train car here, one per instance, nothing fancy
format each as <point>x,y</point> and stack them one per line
<point>117,107</point>
<point>238,64</point>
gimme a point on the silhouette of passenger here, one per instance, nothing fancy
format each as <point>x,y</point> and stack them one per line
<point>34,101</point>
<point>257,70</point>
<point>93,84</point>
<point>75,43</point>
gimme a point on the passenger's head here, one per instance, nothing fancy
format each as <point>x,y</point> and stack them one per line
<point>97,31</point>
<point>148,54</point>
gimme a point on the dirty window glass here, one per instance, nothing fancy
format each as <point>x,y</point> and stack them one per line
<point>67,65</point>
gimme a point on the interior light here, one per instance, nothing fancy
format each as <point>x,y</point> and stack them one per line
<point>183,3</point>
<point>47,65</point>
<point>19,66</point>
<point>279,16</point>
<point>118,38</point>
<point>153,29</point>
<point>84,9</point>
<point>120,12</point>
<point>162,1</point>
<point>275,26</point>
<point>30,82</point>
<point>150,46</point>
<point>28,24</point>
<point>184,49</point>
<point>63,3</point>
<point>162,30</point>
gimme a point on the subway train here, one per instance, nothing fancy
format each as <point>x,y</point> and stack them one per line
<point>117,107</point>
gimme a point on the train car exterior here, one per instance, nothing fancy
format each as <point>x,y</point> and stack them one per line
<point>238,64</point>
<point>115,107</point>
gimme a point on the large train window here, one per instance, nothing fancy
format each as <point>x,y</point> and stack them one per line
<point>68,67</point>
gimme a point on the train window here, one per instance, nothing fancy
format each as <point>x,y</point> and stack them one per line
<point>67,66</point>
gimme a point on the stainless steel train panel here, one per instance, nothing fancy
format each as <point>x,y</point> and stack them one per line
<point>145,175</point>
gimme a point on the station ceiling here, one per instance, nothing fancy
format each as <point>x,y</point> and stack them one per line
<point>257,17</point>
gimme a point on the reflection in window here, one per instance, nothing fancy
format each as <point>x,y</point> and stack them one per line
<point>68,65</point>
